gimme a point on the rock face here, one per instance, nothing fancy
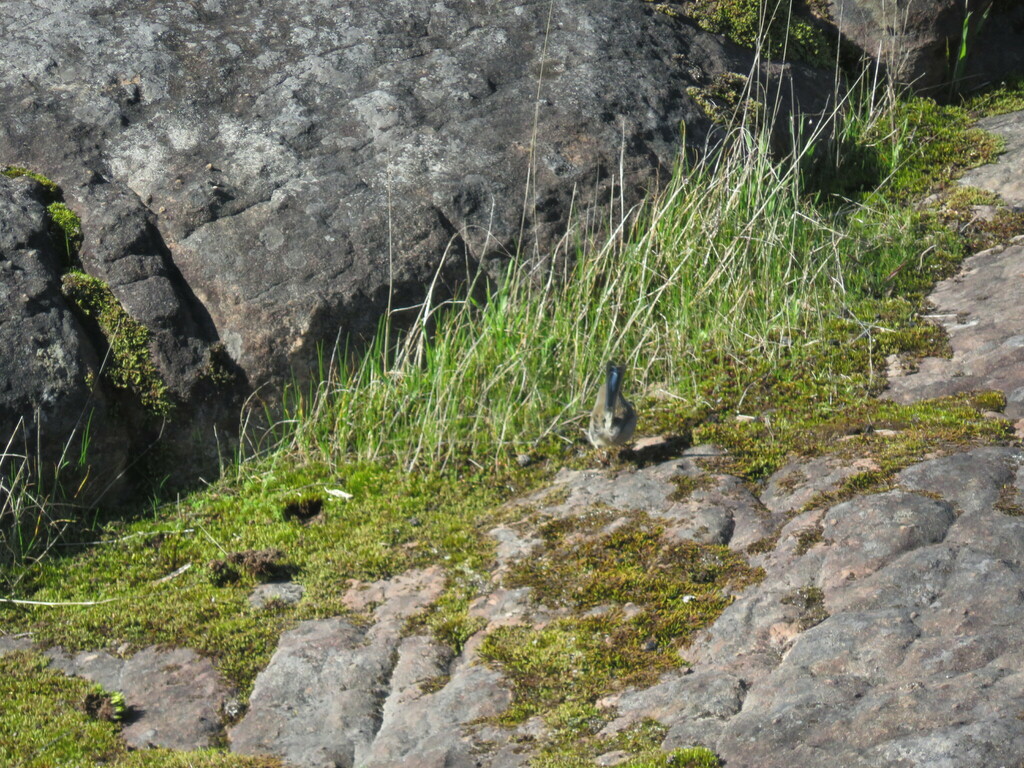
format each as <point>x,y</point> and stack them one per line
<point>265,177</point>
<point>891,641</point>
<point>919,41</point>
<point>980,307</point>
<point>47,358</point>
<point>56,400</point>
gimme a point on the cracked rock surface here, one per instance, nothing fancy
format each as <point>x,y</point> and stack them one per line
<point>912,657</point>
<point>294,158</point>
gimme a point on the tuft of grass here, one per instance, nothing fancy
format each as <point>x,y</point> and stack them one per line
<point>68,227</point>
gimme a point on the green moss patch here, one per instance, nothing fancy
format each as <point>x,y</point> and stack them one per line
<point>636,598</point>
<point>234,536</point>
<point>810,600</point>
<point>725,100</point>
<point>16,171</point>
<point>129,365</point>
<point>777,28</point>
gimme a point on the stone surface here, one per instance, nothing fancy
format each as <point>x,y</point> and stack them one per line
<point>340,694</point>
<point>915,659</point>
<point>979,308</point>
<point>1003,176</point>
<point>689,502</point>
<point>916,40</point>
<point>803,481</point>
<point>276,592</point>
<point>47,358</point>
<point>174,697</point>
<point>55,402</point>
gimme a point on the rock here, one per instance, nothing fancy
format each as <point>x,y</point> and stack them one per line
<point>917,608</point>
<point>803,481</point>
<point>975,308</point>
<point>1003,176</point>
<point>287,593</point>
<point>58,399</point>
<point>972,482</point>
<point>399,597</point>
<point>317,702</point>
<point>48,361</point>
<point>689,502</point>
<point>337,694</point>
<point>253,192</point>
<point>174,697</point>
<point>918,41</point>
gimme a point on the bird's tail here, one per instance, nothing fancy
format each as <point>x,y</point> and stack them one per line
<point>614,384</point>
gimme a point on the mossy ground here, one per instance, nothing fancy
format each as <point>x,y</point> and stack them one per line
<point>636,600</point>
<point>811,397</point>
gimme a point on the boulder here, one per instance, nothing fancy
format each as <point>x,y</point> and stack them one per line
<point>48,359</point>
<point>262,181</point>
<point>919,41</point>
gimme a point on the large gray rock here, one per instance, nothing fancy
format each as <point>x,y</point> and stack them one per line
<point>280,167</point>
<point>919,41</point>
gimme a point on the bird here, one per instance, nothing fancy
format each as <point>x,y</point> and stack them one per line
<point>613,419</point>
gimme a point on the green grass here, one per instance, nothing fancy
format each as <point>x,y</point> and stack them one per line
<point>751,285</point>
<point>393,523</point>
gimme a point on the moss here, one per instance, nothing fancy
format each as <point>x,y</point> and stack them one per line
<point>219,366</point>
<point>574,743</point>
<point>808,537</point>
<point>129,365</point>
<point>811,602</point>
<point>724,103</point>
<point>686,485</point>
<point>941,146</point>
<point>778,29</point>
<point>50,186</point>
<point>671,590</point>
<point>67,229</point>
<point>1009,501</point>
<point>1006,97</point>
<point>448,619</point>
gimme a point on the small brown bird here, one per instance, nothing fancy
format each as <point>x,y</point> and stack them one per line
<point>613,420</point>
